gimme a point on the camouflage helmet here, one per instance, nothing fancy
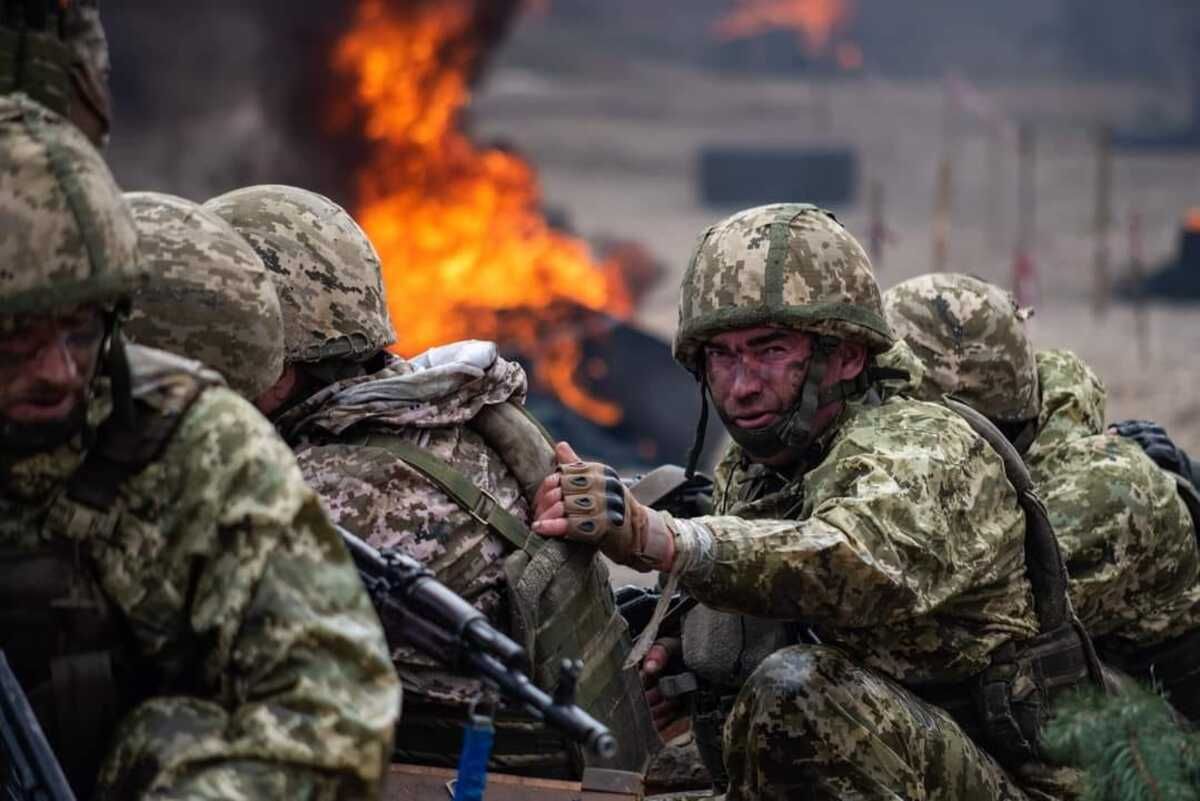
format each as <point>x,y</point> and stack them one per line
<point>56,52</point>
<point>69,238</point>
<point>91,97</point>
<point>787,264</point>
<point>323,266</point>
<point>971,337</point>
<point>208,296</point>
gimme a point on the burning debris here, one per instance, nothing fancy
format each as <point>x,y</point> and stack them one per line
<point>820,25</point>
<point>466,249</point>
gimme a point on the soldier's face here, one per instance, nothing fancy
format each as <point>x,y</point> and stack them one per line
<point>755,374</point>
<point>46,365</point>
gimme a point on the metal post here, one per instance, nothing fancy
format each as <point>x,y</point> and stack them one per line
<point>876,226</point>
<point>1102,277</point>
<point>1137,273</point>
<point>1024,280</point>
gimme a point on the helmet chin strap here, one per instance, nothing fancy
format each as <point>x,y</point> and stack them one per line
<point>701,429</point>
<point>795,429</point>
<point>116,362</point>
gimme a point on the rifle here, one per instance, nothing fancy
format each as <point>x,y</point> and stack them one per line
<point>442,625</point>
<point>30,770</point>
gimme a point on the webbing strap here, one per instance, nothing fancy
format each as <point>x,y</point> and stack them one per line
<point>1044,564</point>
<point>476,502</point>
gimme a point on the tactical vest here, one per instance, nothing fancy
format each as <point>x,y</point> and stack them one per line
<point>67,645</point>
<point>561,607</point>
<point>1003,707</point>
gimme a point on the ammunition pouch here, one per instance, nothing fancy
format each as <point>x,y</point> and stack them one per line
<point>1004,706</point>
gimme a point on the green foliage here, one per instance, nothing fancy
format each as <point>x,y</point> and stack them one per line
<point>1132,747</point>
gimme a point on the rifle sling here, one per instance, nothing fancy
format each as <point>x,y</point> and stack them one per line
<point>476,502</point>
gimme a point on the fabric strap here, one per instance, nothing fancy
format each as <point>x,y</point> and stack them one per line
<point>476,502</point>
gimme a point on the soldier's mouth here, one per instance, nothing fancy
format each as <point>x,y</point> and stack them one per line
<point>761,420</point>
<point>42,410</point>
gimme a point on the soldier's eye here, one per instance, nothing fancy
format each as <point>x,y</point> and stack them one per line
<point>83,329</point>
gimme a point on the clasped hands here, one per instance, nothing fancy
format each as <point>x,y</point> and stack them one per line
<point>586,502</point>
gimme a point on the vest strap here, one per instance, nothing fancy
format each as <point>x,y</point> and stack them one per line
<point>478,503</point>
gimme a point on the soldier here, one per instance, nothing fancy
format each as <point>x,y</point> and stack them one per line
<point>436,457</point>
<point>56,52</point>
<point>209,297</point>
<point>886,528</point>
<point>164,565</point>
<point>1124,524</point>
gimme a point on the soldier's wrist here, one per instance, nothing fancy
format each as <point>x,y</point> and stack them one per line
<point>656,544</point>
<point>692,557</point>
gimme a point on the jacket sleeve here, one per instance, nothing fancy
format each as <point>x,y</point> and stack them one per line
<point>900,519</point>
<point>277,682</point>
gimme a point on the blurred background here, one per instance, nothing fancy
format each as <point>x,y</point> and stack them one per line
<point>537,171</point>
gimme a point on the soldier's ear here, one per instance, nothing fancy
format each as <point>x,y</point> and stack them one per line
<point>851,359</point>
<point>280,392</point>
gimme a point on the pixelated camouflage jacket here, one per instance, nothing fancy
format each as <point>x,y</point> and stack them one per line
<point>238,593</point>
<point>1072,401</point>
<point>1127,537</point>
<point>903,545</point>
<point>372,492</point>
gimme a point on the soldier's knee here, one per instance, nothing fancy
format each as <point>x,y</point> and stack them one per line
<point>805,680</point>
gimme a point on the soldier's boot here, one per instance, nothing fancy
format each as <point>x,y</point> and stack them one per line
<point>811,724</point>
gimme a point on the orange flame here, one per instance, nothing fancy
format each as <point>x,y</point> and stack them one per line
<point>815,20</point>
<point>466,251</point>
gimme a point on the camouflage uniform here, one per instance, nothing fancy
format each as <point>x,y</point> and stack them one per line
<point>1071,401</point>
<point>1127,536</point>
<point>207,596</point>
<point>354,438</point>
<point>341,437</point>
<point>897,541</point>
<point>340,433</point>
<point>209,297</point>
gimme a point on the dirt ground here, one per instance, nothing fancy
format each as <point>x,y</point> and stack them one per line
<point>616,153</point>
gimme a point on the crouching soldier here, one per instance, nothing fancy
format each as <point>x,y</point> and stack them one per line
<point>434,457</point>
<point>165,567</point>
<point>924,626</point>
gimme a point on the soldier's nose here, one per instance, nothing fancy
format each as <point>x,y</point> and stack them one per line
<point>54,364</point>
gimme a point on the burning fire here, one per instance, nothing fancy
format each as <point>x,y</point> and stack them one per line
<point>466,251</point>
<point>817,22</point>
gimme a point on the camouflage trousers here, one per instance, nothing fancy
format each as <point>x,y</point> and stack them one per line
<point>811,724</point>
